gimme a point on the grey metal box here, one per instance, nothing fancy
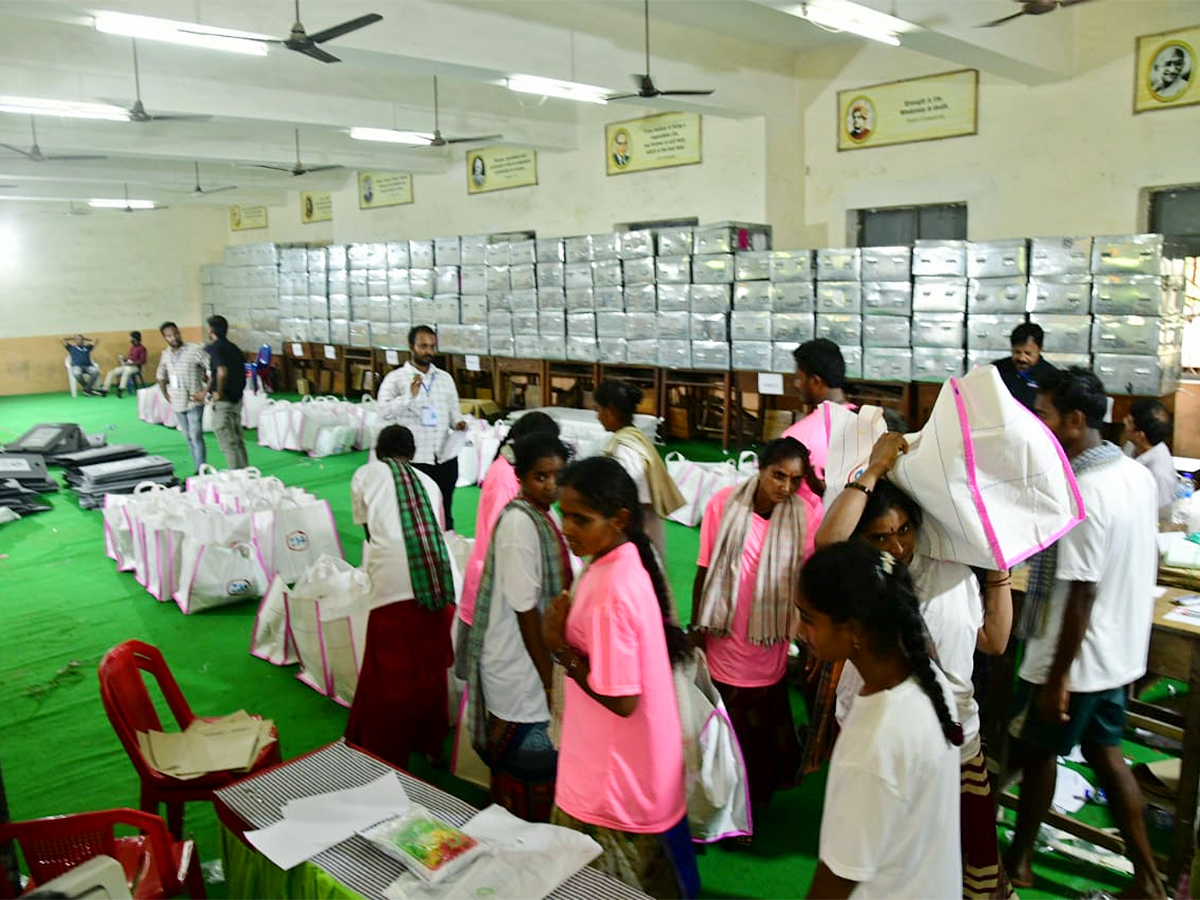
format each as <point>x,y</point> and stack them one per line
<point>997,259</point>
<point>886,263</point>
<point>551,298</point>
<point>887,364</point>
<point>709,298</point>
<point>606,245</point>
<point>580,300</point>
<point>548,250</point>
<point>551,274</point>
<point>729,237</point>
<point>995,296</point>
<point>782,358</point>
<point>991,332</point>
<point>577,249</point>
<point>752,265</point>
<point>522,276</point>
<point>792,265</point>
<point>793,296</point>
<point>713,268</point>
<point>1137,335</point>
<point>887,298</point>
<point>637,244</point>
<point>839,264</point>
<point>674,297</point>
<point>752,295</point>
<point>886,331</point>
<point>641,298</point>
<point>1061,294</point>
<point>1140,295</point>
<point>708,327</point>
<point>522,253</point>
<point>609,299</point>
<point>674,354</point>
<point>939,294</point>
<point>673,269</point>
<point>577,275</point>
<point>940,258</point>
<point>673,241</point>
<point>794,328</point>
<point>611,325</point>
<point>447,251</point>
<point>639,270</point>
<point>607,273</point>
<point>710,355</point>
<point>839,297</point>
<point>842,329</point>
<point>938,329</point>
<point>1064,333</point>
<point>1060,256</point>
<point>933,364</point>
<point>1132,254</point>
<point>1150,376</point>
<point>750,325</point>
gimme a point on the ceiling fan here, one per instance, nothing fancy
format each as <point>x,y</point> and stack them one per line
<point>198,191</point>
<point>303,42</point>
<point>129,206</point>
<point>35,154</point>
<point>646,88</point>
<point>137,112</point>
<point>1032,8</point>
<point>437,140</point>
<point>299,168</point>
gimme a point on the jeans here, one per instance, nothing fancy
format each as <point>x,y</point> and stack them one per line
<point>227,423</point>
<point>444,475</point>
<point>191,423</point>
<point>86,376</point>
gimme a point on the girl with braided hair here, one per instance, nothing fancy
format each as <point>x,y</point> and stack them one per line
<point>890,825</point>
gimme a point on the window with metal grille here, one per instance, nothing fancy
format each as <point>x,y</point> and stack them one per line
<point>899,226</point>
<point>1175,213</point>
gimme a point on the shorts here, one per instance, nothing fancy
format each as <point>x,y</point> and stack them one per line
<point>1095,718</point>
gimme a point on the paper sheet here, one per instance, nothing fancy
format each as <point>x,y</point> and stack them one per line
<point>1070,790</point>
<point>228,743</point>
<point>1187,615</point>
<point>316,823</point>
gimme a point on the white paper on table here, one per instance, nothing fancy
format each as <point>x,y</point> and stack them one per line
<point>316,823</point>
<point>1070,790</point>
<point>527,860</point>
<point>1187,615</point>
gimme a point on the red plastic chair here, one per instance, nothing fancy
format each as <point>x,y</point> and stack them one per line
<point>130,710</point>
<point>154,864</point>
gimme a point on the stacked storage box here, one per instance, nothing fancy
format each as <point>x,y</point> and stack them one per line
<point>1137,302</point>
<point>249,295</point>
<point>997,287</point>
<point>550,257</point>
<point>750,322</point>
<point>839,303</point>
<point>939,309</point>
<point>887,296</point>
<point>673,278</point>
<point>1059,298</point>
<point>793,303</point>
<point>717,253</point>
<point>639,302</point>
<point>294,311</point>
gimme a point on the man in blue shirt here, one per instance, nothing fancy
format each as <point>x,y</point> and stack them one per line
<point>83,370</point>
<point>1025,369</point>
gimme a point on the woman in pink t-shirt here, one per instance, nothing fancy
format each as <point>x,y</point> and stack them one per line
<point>620,761</point>
<point>753,540</point>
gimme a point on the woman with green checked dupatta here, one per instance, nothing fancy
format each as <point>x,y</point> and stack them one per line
<point>400,704</point>
<point>509,668</point>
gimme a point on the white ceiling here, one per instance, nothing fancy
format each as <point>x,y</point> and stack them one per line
<point>48,48</point>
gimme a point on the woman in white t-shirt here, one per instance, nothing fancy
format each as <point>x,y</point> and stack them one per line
<point>508,666</point>
<point>889,827</point>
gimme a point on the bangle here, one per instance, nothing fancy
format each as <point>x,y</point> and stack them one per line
<point>1001,583</point>
<point>858,486</point>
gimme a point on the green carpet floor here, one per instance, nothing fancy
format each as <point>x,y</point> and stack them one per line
<point>63,604</point>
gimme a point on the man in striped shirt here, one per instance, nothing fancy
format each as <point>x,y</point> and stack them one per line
<point>182,373</point>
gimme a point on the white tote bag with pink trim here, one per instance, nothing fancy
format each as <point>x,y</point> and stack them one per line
<point>851,437</point>
<point>294,535</point>
<point>215,575</point>
<point>327,613</point>
<point>995,484</point>
<point>271,638</point>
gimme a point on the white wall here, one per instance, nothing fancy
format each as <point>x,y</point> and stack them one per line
<point>1059,159</point>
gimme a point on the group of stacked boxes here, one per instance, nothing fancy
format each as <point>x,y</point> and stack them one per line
<point>245,289</point>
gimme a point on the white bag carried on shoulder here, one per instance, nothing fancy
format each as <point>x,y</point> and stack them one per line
<point>718,789</point>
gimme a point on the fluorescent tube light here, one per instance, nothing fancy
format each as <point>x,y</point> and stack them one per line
<point>172,32</point>
<point>121,204</point>
<point>841,15</point>
<point>390,136</point>
<point>552,87</point>
<point>67,109</point>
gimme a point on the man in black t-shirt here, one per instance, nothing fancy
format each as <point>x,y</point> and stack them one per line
<point>226,382</point>
<point>1025,369</point>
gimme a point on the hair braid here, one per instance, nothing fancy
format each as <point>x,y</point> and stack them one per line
<point>678,646</point>
<point>914,641</point>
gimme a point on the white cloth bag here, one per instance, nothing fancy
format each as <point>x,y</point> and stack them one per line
<point>253,403</point>
<point>698,482</point>
<point>118,536</point>
<point>851,437</point>
<point>327,614</point>
<point>294,535</point>
<point>271,638</point>
<point>333,440</point>
<point>215,575</point>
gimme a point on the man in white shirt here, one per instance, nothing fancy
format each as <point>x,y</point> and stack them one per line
<point>424,399</point>
<point>1094,632</point>
<point>1147,428</point>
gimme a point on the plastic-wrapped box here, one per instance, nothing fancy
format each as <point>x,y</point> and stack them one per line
<point>395,254</point>
<point>1060,256</point>
<point>422,310</point>
<point>338,282</point>
<point>937,364</point>
<point>496,253</point>
<point>522,276</point>
<point>709,298</point>
<point>548,250</point>
<point>839,297</point>
<point>581,348</point>
<point>639,270</point>
<point>397,281</point>
<point>641,325</point>
<point>839,264</point>
<point>420,282</point>
<point>887,298</point>
<point>551,298</point>
<point>609,299</point>
<point>752,296</point>
<point>750,356</point>
<point>522,253</point>
<point>379,309</point>
<point>997,259</point>
<point>449,339</point>
<point>552,323</point>
<point>447,251</point>
<point>321,331</point>
<point>577,275</point>
<point>750,325</point>
<point>782,357</point>
<point>675,241</point>
<point>525,323</point>
<point>396,335</point>
<point>947,258</point>
<point>673,325</point>
<point>498,278</point>
<point>674,297</point>
<point>713,268</point>
<point>641,352</point>
<point>501,344</point>
<point>473,309</point>
<point>472,279</point>
<point>1137,295</point>
<point>1133,254</point>
<point>939,329</point>
<point>708,327</point>
<point>498,300</point>
<point>577,249</point>
<point>887,364</point>
<point>752,265</point>
<point>527,346</point>
<point>886,263</point>
<point>637,244</point>
<point>793,296</point>
<point>996,296</point>
<point>523,301</point>
<point>445,310</point>
<point>499,322</point>
<point>551,274</point>
<point>420,254</point>
<point>445,280</point>
<point>606,246</point>
<point>729,237</point>
<point>356,256</point>
<point>710,355</point>
<point>554,346</point>
<point>1147,376</point>
<point>673,269</point>
<point>337,306</point>
<point>610,325</point>
<point>317,260</point>
<point>1136,335</point>
<point>886,331</point>
<point>991,332</point>
<point>580,300</point>
<point>357,283</point>
<point>293,259</point>
<point>607,273</point>
<point>612,350</point>
<point>792,265</point>
<point>473,249</point>
<point>1069,294</point>
<point>377,256</point>
<point>1064,333</point>
<point>377,282</point>
<point>792,328</point>
<point>581,324</point>
<point>937,294</point>
<point>339,331</point>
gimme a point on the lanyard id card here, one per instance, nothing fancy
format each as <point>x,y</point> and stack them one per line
<point>429,416</point>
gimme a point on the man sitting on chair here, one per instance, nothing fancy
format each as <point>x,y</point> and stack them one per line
<point>128,365</point>
<point>83,370</point>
